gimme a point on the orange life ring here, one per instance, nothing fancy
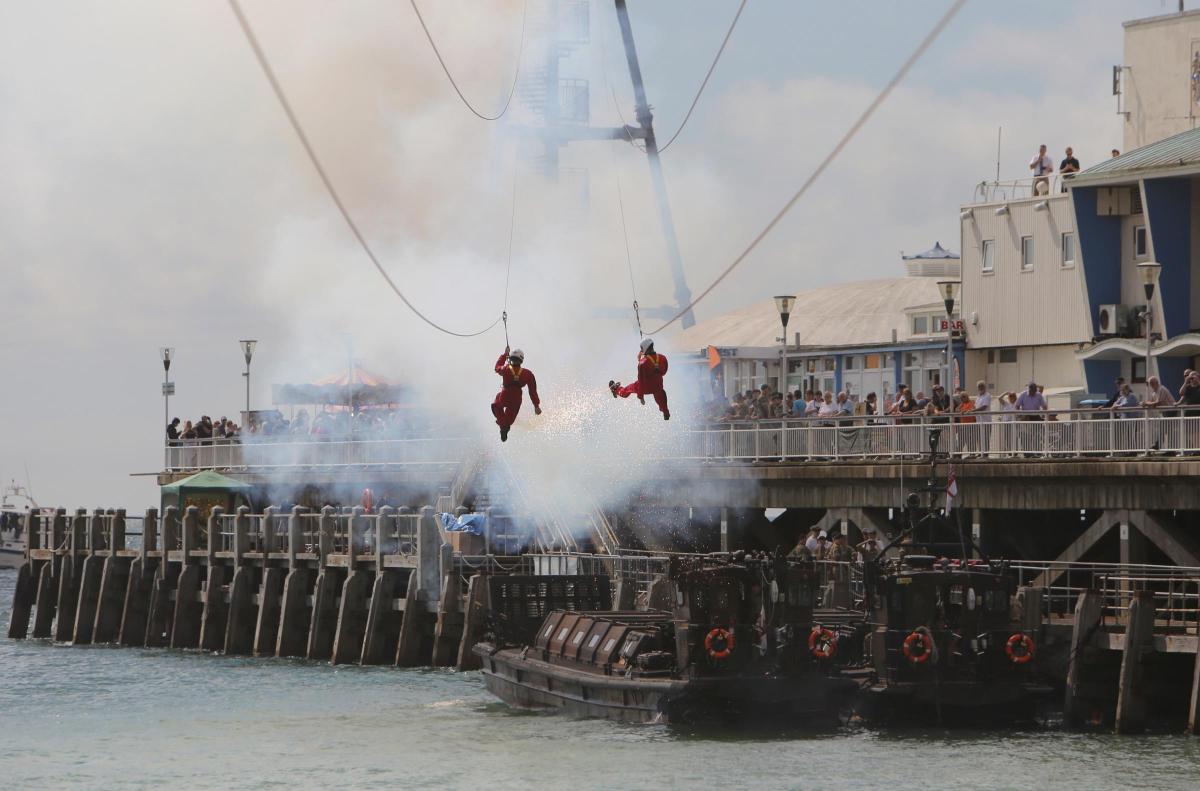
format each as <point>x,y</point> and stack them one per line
<point>719,643</point>
<point>1019,648</point>
<point>822,643</point>
<point>368,500</point>
<point>925,641</point>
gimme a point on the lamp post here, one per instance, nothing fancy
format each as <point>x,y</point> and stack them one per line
<point>784,305</point>
<point>1148,272</point>
<point>949,291</point>
<point>248,351</point>
<point>168,388</point>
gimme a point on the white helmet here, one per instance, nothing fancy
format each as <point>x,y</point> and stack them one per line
<point>647,343</point>
<point>517,354</point>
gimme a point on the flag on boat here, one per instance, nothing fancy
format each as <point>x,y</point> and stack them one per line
<point>951,491</point>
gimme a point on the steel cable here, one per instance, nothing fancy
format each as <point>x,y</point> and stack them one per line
<point>927,42</point>
<point>446,69</point>
<point>704,84</point>
<point>333,194</point>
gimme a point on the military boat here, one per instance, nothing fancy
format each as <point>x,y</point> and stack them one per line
<point>946,642</point>
<point>736,646</point>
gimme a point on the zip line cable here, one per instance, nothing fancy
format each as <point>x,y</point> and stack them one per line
<point>312,156</point>
<point>512,224</point>
<point>932,36</point>
<point>704,84</point>
<point>453,84</point>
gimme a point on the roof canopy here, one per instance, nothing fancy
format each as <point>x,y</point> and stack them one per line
<point>1181,150</point>
<point>935,252</point>
<point>354,386</point>
<point>206,480</point>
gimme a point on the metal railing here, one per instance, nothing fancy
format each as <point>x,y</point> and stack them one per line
<point>224,454</point>
<point>1176,597</point>
<point>998,191</point>
<point>1046,434</point>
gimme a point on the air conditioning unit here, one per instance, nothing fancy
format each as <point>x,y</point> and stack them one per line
<point>1115,320</point>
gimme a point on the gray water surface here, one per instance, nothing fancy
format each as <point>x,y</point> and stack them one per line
<point>119,718</point>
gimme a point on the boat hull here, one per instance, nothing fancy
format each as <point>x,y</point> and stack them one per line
<point>526,683</point>
<point>12,554</point>
<point>961,704</point>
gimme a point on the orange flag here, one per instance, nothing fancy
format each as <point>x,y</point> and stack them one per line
<point>714,357</point>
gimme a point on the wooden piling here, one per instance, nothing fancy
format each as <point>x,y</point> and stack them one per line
<point>473,622</point>
<point>214,616</point>
<point>1139,640</point>
<point>47,599</point>
<point>409,644</point>
<point>383,620</point>
<point>24,598</point>
<point>322,626</point>
<point>161,611</point>
<point>241,615</point>
<point>352,616</point>
<point>114,584</point>
<point>1086,621</point>
<point>447,634</point>
<point>68,580</point>
<point>1193,723</point>
<point>185,626</point>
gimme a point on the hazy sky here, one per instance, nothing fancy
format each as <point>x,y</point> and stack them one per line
<point>154,195</point>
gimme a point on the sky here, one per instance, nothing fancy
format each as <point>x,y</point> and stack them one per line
<point>154,195</point>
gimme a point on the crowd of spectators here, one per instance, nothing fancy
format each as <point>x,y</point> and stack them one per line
<point>376,423</point>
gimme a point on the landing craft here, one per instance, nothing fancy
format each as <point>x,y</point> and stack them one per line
<point>732,646</point>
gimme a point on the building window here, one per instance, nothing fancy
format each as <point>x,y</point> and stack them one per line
<point>1008,355</point>
<point>920,325</point>
<point>873,362</point>
<point>1068,249</point>
<point>989,255</point>
<point>991,356</point>
<point>1026,253</point>
<point>848,362</point>
<point>1137,370</point>
<point>1139,241</point>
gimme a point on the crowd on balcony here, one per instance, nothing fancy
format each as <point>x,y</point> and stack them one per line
<point>272,425</point>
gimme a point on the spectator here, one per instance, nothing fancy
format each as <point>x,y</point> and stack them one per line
<point>1120,383</point>
<point>1068,166</point>
<point>777,408</point>
<point>871,405</point>
<point>1008,406</point>
<point>189,431</point>
<point>173,429</point>
<point>788,404</point>
<point>1042,166</point>
<point>1032,401</point>
<point>1125,399</point>
<point>1189,393</point>
<point>843,404</point>
<point>1157,396</point>
<point>828,408</point>
<point>814,404</point>
<point>922,401</point>
<point>940,401</point>
<point>1116,153</point>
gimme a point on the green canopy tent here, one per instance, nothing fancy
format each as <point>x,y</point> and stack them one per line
<point>205,490</point>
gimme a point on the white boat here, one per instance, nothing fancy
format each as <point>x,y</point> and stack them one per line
<point>15,504</point>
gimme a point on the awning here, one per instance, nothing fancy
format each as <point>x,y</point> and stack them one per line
<point>1185,345</point>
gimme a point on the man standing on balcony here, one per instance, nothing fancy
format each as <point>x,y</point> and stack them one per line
<point>508,401</point>
<point>1042,166</point>
<point>1069,165</point>
<point>651,369</point>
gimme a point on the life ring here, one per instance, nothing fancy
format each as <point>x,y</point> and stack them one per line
<point>368,501</point>
<point>1019,648</point>
<point>822,643</point>
<point>719,643</point>
<point>919,655</point>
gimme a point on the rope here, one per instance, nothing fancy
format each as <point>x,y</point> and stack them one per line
<point>937,29</point>
<point>704,84</point>
<point>516,73</point>
<point>628,257</point>
<point>269,73</point>
<point>613,91</point>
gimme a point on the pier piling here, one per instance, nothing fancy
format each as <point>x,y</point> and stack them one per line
<point>1139,634</point>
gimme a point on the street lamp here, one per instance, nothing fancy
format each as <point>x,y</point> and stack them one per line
<point>784,305</point>
<point>248,351</point>
<point>168,388</point>
<point>1148,272</point>
<point>949,291</point>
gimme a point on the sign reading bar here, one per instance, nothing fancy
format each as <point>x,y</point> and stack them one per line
<point>946,324</point>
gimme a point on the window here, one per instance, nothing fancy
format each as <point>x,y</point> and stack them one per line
<point>989,255</point>
<point>1137,370</point>
<point>848,362</point>
<point>1139,241</point>
<point>1068,249</point>
<point>920,325</point>
<point>1026,253</point>
<point>991,356</point>
<point>873,362</point>
<point>1008,355</point>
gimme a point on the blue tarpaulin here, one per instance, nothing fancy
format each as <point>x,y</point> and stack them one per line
<point>467,523</point>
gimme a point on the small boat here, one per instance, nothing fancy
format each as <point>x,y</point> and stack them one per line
<point>12,525</point>
<point>737,646</point>
<point>943,644</point>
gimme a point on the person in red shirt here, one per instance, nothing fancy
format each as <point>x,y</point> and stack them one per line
<point>650,372</point>
<point>508,400</point>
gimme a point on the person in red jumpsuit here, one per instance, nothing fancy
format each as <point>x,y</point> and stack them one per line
<point>508,400</point>
<point>650,372</point>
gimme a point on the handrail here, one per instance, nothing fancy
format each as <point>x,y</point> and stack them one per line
<point>1002,190</point>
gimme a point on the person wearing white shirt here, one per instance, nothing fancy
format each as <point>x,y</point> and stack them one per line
<point>828,408</point>
<point>983,410</point>
<point>1042,166</point>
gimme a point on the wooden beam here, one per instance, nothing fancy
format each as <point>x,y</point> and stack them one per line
<point>1168,537</point>
<point>1096,531</point>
